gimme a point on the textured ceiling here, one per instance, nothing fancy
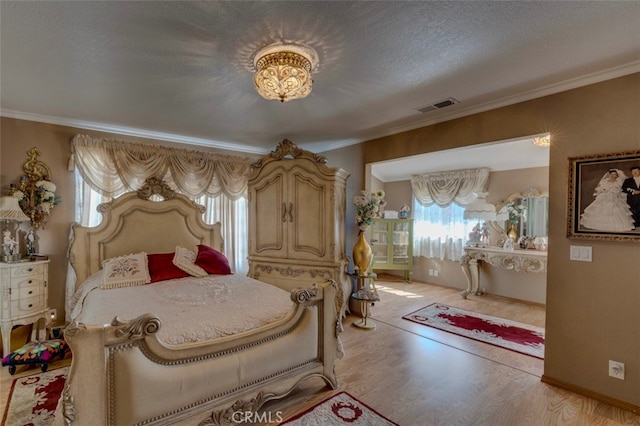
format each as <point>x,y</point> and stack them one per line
<point>182,71</point>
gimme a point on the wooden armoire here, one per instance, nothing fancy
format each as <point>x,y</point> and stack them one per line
<point>297,219</point>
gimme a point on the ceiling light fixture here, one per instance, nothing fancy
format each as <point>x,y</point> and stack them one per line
<point>283,71</point>
<point>542,141</point>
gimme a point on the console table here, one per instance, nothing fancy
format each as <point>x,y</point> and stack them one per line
<point>517,260</point>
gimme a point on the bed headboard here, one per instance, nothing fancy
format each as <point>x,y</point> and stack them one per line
<point>131,223</point>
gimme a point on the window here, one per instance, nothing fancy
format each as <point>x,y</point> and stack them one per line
<point>106,168</point>
<point>440,232</point>
<point>232,215</point>
<point>440,229</point>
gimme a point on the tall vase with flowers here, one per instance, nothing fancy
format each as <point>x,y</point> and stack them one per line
<point>368,207</point>
<point>516,212</point>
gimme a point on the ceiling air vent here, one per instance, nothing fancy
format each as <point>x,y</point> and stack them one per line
<point>438,105</point>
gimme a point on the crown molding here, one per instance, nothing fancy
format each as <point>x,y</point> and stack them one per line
<point>130,131</point>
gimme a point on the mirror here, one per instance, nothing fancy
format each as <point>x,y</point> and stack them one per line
<point>526,214</point>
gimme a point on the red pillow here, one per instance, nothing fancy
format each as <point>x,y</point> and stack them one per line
<point>161,267</point>
<point>212,261</point>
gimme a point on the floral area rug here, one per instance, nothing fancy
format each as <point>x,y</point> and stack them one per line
<point>340,409</point>
<point>516,336</point>
<point>33,399</point>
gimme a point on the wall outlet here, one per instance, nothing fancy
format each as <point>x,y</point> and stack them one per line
<point>436,272</point>
<point>616,369</point>
<point>430,272</point>
<point>53,314</point>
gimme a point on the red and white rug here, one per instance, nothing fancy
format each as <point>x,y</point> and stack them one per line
<point>340,409</point>
<point>512,335</point>
<point>33,399</point>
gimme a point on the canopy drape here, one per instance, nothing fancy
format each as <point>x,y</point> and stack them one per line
<point>444,188</point>
<point>112,167</point>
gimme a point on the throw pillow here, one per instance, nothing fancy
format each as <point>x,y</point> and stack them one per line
<point>161,267</point>
<point>212,261</point>
<point>185,260</point>
<point>126,271</point>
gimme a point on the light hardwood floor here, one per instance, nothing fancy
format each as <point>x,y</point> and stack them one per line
<point>416,375</point>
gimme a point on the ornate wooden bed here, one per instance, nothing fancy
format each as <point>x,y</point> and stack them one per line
<point>122,374</point>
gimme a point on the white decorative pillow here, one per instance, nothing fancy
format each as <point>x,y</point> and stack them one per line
<point>125,271</point>
<point>184,259</point>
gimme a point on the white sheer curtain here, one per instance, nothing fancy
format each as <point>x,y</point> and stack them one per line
<point>106,168</point>
<point>439,198</point>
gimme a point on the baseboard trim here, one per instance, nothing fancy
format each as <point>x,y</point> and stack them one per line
<point>590,394</point>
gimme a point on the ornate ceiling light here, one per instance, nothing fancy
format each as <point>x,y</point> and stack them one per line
<point>542,141</point>
<point>283,71</point>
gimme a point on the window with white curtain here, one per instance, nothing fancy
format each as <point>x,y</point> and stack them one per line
<point>440,230</point>
<point>232,214</point>
<point>107,168</point>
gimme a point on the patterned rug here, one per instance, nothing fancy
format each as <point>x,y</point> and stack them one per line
<point>340,409</point>
<point>512,335</point>
<point>33,399</point>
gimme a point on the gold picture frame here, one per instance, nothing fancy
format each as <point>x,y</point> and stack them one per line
<point>586,176</point>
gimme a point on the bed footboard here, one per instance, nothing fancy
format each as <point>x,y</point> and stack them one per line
<point>121,374</point>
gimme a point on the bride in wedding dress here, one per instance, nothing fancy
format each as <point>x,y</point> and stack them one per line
<point>609,211</point>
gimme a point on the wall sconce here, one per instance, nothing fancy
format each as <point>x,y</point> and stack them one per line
<point>35,191</point>
<point>543,141</point>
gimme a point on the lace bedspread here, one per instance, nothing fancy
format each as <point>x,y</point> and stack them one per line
<point>191,309</point>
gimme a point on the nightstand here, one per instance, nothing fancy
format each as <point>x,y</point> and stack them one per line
<point>24,297</point>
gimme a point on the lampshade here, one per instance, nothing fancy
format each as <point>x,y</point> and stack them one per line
<point>283,71</point>
<point>10,210</point>
<point>480,209</point>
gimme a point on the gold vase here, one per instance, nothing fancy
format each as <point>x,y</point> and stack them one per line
<point>513,233</point>
<point>362,254</point>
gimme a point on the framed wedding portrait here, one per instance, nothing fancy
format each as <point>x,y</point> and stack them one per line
<point>604,198</point>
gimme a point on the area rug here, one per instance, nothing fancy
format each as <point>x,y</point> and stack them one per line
<point>33,399</point>
<point>512,335</point>
<point>340,409</point>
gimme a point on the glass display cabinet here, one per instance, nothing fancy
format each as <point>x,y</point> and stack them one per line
<point>391,242</point>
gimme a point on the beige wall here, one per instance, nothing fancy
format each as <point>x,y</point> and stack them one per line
<point>592,308</point>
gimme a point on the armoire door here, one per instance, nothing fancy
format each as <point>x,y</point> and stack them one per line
<point>308,218</point>
<point>268,216</point>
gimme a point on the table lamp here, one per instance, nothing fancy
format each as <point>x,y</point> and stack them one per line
<point>10,211</point>
<point>483,211</point>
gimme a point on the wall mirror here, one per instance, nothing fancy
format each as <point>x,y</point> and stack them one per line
<point>526,212</point>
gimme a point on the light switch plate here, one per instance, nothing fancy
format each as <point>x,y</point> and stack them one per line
<point>580,253</point>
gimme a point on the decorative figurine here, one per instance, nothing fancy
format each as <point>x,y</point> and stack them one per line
<point>30,240</point>
<point>9,244</point>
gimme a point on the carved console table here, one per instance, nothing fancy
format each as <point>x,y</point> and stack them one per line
<point>517,260</point>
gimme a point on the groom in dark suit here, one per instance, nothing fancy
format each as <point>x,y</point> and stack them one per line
<point>631,186</point>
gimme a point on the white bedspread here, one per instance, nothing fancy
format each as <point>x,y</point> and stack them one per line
<point>191,309</point>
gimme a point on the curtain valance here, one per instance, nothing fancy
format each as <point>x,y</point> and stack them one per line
<point>444,188</point>
<point>111,167</point>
